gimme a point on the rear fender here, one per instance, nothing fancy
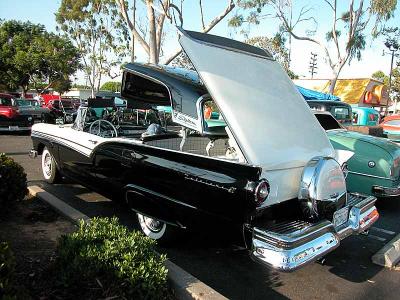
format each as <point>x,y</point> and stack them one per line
<point>150,203</point>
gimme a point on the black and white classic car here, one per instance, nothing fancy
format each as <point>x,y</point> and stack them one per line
<point>269,173</point>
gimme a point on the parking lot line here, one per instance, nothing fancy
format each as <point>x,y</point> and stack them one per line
<point>383,230</point>
<point>381,239</point>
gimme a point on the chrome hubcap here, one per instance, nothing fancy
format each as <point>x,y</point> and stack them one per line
<point>47,165</point>
<point>152,224</point>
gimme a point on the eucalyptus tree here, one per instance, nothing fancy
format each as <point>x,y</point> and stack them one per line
<point>95,27</point>
<point>157,12</point>
<point>349,25</point>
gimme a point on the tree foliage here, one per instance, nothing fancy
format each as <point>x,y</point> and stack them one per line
<point>95,28</point>
<point>349,25</point>
<point>395,82</point>
<point>29,55</point>
<point>276,47</point>
<point>149,35</point>
<point>112,86</point>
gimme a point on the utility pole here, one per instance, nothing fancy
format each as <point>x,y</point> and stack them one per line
<point>393,47</point>
<point>313,64</point>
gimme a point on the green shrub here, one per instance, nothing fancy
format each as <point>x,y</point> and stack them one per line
<point>12,181</point>
<point>7,270</point>
<point>105,254</point>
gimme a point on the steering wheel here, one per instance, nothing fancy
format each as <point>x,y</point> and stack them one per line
<point>101,128</point>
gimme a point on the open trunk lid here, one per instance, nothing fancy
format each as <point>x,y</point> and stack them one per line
<point>270,120</point>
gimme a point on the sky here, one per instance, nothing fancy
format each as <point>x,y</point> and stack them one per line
<point>42,11</point>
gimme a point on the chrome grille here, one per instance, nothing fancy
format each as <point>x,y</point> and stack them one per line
<point>288,226</point>
<point>353,199</point>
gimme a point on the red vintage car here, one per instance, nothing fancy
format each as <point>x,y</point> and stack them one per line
<point>10,117</point>
<point>391,127</point>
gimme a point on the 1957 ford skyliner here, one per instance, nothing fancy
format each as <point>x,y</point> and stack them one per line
<point>269,173</point>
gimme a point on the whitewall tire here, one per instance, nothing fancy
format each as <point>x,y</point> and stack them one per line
<point>157,230</point>
<point>49,167</point>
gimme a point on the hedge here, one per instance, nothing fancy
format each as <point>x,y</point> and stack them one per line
<point>7,270</point>
<point>109,260</point>
<point>13,185</point>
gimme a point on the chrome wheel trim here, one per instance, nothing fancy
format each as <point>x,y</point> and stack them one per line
<point>151,227</point>
<point>47,164</point>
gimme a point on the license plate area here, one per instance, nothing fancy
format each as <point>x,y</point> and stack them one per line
<point>341,216</point>
<point>13,127</point>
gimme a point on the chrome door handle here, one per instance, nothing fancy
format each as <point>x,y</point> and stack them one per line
<point>93,141</point>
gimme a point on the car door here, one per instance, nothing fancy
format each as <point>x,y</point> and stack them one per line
<point>174,186</point>
<point>75,154</point>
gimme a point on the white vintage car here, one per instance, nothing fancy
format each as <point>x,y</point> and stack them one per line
<point>269,173</point>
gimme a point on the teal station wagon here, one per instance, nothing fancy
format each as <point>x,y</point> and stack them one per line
<point>374,169</point>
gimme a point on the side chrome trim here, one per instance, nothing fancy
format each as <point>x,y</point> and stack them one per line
<point>289,250</point>
<point>144,190</point>
<point>369,175</point>
<point>60,141</point>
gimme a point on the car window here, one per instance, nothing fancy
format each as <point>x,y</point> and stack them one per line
<point>5,101</point>
<point>327,122</point>
<point>341,113</point>
<point>372,117</point>
<point>393,123</point>
<point>21,102</point>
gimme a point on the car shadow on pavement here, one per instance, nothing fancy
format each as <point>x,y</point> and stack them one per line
<point>215,260</point>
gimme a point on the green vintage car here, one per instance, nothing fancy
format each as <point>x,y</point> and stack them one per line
<point>374,169</point>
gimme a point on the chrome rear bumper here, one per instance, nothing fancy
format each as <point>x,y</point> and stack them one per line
<point>382,191</point>
<point>290,245</point>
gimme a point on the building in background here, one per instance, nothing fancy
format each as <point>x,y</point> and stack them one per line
<point>358,91</point>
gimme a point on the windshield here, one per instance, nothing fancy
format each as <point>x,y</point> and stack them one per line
<point>5,101</point>
<point>341,113</point>
<point>65,103</point>
<point>22,102</point>
<point>393,123</point>
<point>327,122</point>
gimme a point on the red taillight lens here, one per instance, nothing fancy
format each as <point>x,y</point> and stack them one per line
<point>262,192</point>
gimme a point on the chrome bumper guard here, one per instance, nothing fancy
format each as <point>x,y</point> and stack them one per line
<point>288,246</point>
<point>382,191</point>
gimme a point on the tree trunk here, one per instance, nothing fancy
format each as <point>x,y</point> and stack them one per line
<point>133,36</point>
<point>24,89</point>
<point>153,59</point>
<point>333,84</point>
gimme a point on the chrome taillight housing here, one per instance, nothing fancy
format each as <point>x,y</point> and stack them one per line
<point>261,192</point>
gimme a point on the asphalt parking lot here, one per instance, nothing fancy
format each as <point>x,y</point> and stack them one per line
<point>347,273</point>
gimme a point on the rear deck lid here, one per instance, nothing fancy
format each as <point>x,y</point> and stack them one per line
<point>270,120</point>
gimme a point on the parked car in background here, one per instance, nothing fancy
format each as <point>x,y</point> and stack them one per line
<point>391,127</point>
<point>61,111</point>
<point>365,116</point>
<point>31,107</point>
<point>374,169</point>
<point>10,117</point>
<point>340,110</point>
<point>278,184</point>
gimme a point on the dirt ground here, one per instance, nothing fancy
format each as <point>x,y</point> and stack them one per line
<point>32,228</point>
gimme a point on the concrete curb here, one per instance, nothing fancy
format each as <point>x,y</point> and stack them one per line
<point>184,285</point>
<point>389,255</point>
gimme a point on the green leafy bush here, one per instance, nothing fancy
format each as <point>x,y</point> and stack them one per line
<point>104,257</point>
<point>7,270</point>
<point>12,181</point>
